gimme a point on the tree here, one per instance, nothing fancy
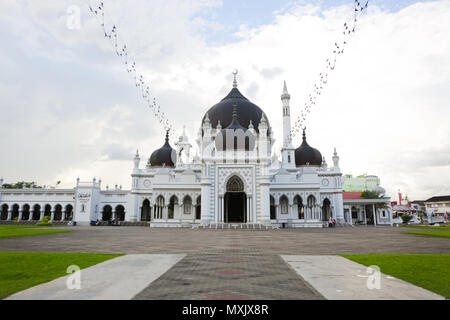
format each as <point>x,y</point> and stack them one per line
<point>20,185</point>
<point>370,195</point>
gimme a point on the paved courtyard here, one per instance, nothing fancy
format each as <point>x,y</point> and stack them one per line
<point>231,264</point>
<point>135,240</point>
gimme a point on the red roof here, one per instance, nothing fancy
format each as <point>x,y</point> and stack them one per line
<point>351,195</point>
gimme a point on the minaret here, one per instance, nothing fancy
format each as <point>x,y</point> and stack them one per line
<point>285,98</point>
<point>287,151</point>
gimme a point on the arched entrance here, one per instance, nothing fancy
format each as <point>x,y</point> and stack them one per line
<point>120,213</point>
<point>235,201</point>
<point>326,210</point>
<point>107,213</point>
<point>4,212</point>
<point>198,209</point>
<point>145,211</point>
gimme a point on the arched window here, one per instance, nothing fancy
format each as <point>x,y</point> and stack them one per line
<point>107,213</point>
<point>26,212</point>
<point>159,207</point>
<point>235,184</point>
<point>4,215</point>
<point>311,203</point>
<point>15,212</point>
<point>298,202</point>
<point>36,212</point>
<point>68,216</point>
<point>198,208</point>
<point>187,204</point>
<point>58,213</point>
<point>47,210</point>
<point>120,213</point>
<point>284,205</point>
<point>273,212</point>
<point>171,209</point>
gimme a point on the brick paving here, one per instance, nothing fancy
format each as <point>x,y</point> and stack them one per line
<point>229,277</point>
<point>325,241</point>
<point>230,264</point>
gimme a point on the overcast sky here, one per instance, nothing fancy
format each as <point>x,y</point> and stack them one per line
<point>68,108</point>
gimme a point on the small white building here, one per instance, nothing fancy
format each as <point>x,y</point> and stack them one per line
<point>233,178</point>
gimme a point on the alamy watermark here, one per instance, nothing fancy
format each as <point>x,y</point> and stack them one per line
<point>73,21</point>
<point>73,281</point>
<point>374,278</point>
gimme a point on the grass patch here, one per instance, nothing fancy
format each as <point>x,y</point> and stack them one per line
<point>12,231</point>
<point>442,234</point>
<point>428,227</point>
<point>5,227</point>
<point>22,270</point>
<point>429,271</point>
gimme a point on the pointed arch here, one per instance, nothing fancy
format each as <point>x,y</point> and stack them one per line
<point>187,205</point>
<point>120,212</point>
<point>235,184</point>
<point>273,212</point>
<point>298,203</point>
<point>326,210</point>
<point>4,214</point>
<point>284,204</point>
<point>146,210</point>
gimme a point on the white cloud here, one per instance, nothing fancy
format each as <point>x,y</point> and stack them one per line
<point>68,106</point>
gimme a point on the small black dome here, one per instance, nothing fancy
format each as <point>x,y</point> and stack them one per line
<point>242,140</point>
<point>305,154</point>
<point>247,111</point>
<point>164,156</point>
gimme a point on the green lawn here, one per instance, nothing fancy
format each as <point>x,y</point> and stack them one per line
<point>428,227</point>
<point>22,270</point>
<point>442,234</point>
<point>11,231</point>
<point>429,271</point>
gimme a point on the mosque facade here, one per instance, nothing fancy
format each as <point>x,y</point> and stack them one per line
<point>234,178</point>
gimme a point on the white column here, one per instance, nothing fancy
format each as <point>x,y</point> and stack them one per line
<point>9,214</point>
<point>52,215</point>
<point>247,204</point>
<point>222,209</point>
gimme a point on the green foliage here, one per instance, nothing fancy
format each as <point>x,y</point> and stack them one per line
<point>23,231</point>
<point>370,195</point>
<point>46,219</point>
<point>22,270</point>
<point>429,271</point>
<point>44,224</point>
<point>406,218</point>
<point>16,219</point>
<point>20,185</point>
<point>441,234</point>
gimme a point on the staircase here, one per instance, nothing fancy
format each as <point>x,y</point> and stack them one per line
<point>235,226</point>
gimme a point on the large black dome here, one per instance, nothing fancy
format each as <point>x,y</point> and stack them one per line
<point>164,156</point>
<point>223,111</point>
<point>305,154</point>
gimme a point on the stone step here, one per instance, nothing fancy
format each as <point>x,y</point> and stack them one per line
<point>236,226</point>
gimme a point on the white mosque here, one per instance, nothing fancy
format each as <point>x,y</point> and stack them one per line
<point>233,179</point>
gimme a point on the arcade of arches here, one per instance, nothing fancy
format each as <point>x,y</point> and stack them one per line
<point>173,209</point>
<point>36,212</point>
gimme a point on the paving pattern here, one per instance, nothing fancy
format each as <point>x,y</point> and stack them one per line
<point>134,240</point>
<point>230,277</point>
<point>230,264</point>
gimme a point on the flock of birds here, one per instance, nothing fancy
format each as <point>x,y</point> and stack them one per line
<point>110,31</point>
<point>121,50</point>
<point>330,65</point>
